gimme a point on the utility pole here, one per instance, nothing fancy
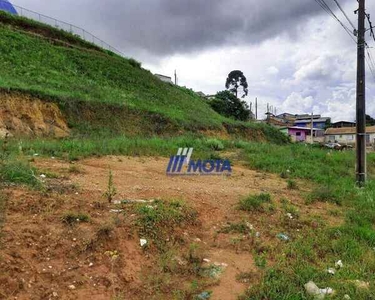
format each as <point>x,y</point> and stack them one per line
<point>312,128</point>
<point>361,98</point>
<point>256,108</point>
<point>175,77</point>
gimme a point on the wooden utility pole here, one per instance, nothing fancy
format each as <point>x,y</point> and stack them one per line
<point>256,108</point>
<point>361,98</point>
<point>312,128</point>
<point>175,77</point>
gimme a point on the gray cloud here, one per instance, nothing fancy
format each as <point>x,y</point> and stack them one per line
<point>164,27</point>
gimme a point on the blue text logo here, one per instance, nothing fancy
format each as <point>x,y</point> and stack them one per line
<point>182,165</point>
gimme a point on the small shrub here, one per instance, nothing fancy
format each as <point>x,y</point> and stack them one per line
<point>74,170</point>
<point>260,261</point>
<point>19,172</point>
<point>104,231</point>
<point>241,227</point>
<point>323,194</point>
<point>111,191</point>
<point>134,63</point>
<point>284,175</point>
<point>71,218</point>
<point>254,202</point>
<point>215,144</point>
<point>292,185</point>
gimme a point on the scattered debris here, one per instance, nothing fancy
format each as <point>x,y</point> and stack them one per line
<point>143,242</point>
<point>257,234</point>
<point>289,215</point>
<point>339,264</point>
<point>214,270</point>
<point>206,260</point>
<point>204,296</point>
<point>198,240</point>
<point>116,210</point>
<point>250,226</point>
<point>331,271</point>
<point>72,287</point>
<point>347,297</point>
<point>43,176</point>
<point>319,294</point>
<point>91,264</point>
<point>55,294</point>
<point>128,201</point>
<point>283,237</point>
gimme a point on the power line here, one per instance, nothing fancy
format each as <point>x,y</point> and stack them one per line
<point>328,10</point>
<point>370,61</point>
<point>346,16</point>
<point>371,27</point>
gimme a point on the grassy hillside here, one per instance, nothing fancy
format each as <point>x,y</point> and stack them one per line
<point>98,89</point>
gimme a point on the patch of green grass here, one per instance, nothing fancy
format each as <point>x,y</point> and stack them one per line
<point>19,172</point>
<point>159,221</point>
<point>240,227</point>
<point>292,184</point>
<point>72,217</point>
<point>314,248</point>
<point>254,202</point>
<point>323,194</point>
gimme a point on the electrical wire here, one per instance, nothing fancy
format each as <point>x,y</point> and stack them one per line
<point>346,16</point>
<point>328,10</point>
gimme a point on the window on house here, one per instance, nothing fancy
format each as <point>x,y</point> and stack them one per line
<point>298,133</point>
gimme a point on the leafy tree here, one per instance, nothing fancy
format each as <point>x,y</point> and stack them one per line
<point>235,80</point>
<point>370,121</point>
<point>228,105</point>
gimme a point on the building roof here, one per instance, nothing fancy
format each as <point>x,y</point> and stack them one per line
<point>304,128</point>
<point>344,122</point>
<point>8,7</point>
<point>323,119</point>
<point>347,130</point>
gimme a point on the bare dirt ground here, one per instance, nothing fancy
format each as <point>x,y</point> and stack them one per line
<point>43,258</point>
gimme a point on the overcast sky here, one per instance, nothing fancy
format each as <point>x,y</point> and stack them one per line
<point>294,55</point>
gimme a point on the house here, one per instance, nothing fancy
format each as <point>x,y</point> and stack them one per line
<point>346,135</point>
<point>303,120</point>
<point>164,78</point>
<point>303,134</point>
<point>341,124</point>
<point>320,122</point>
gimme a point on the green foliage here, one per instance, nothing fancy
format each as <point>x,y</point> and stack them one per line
<point>19,172</point>
<point>215,144</point>
<point>235,80</point>
<point>159,221</point>
<point>292,185</point>
<point>111,189</point>
<point>254,202</point>
<point>68,75</point>
<point>71,217</point>
<point>228,105</point>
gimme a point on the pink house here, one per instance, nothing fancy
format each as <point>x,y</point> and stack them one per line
<point>299,134</point>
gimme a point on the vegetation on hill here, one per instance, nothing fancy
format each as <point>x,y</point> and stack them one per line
<point>99,90</point>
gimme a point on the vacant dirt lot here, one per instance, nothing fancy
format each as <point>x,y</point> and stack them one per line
<point>42,257</point>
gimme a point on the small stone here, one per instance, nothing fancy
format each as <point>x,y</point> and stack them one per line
<point>197,240</point>
<point>55,294</point>
<point>331,271</point>
<point>91,264</point>
<point>72,287</point>
<point>339,264</point>
<point>206,260</point>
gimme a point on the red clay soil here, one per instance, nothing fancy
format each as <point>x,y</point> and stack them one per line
<point>43,258</point>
